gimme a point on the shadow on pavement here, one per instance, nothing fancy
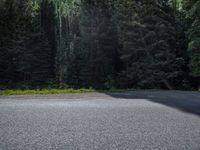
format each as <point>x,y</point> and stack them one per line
<point>185,101</point>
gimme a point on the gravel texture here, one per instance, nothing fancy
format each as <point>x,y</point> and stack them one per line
<point>143,120</point>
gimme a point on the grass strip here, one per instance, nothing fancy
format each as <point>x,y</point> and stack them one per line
<point>44,91</point>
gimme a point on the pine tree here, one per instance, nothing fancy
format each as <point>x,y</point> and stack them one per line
<point>148,44</point>
<point>100,44</point>
<point>99,41</point>
<point>26,46</point>
<point>192,9</point>
<point>9,34</point>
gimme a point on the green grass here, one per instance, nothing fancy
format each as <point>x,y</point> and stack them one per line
<point>59,91</point>
<point>44,91</point>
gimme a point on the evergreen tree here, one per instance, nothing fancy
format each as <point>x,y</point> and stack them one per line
<point>99,44</point>
<point>193,14</point>
<point>29,63</point>
<point>8,16</point>
<point>99,41</point>
<point>148,44</point>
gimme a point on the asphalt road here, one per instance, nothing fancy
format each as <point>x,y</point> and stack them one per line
<point>146,120</point>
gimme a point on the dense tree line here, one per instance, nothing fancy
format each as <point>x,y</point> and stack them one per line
<point>192,9</point>
<point>100,44</point>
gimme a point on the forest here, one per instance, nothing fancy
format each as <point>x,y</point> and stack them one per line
<point>100,44</point>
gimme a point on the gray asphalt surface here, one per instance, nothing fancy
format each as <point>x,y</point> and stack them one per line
<point>146,120</point>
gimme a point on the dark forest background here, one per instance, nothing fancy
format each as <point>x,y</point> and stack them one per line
<point>103,44</point>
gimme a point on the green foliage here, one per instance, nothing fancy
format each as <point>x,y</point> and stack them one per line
<point>100,44</point>
<point>94,52</point>
<point>193,13</point>
<point>147,31</point>
<point>25,48</point>
<point>44,91</point>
